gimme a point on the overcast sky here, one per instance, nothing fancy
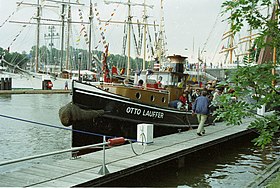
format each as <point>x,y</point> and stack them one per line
<point>189,25</point>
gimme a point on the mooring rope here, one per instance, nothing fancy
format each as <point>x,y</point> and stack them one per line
<point>53,126</point>
<point>19,4</point>
<point>59,127</point>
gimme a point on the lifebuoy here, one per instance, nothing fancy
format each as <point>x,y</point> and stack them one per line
<point>49,85</point>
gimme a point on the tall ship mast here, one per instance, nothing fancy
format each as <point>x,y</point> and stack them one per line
<point>65,17</point>
<point>160,45</point>
<point>229,50</point>
<point>129,23</point>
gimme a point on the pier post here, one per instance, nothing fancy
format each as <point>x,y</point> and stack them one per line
<point>2,84</point>
<point>6,84</point>
<point>181,162</point>
<point>9,83</point>
<point>103,170</point>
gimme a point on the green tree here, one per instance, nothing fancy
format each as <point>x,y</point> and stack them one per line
<point>15,58</point>
<point>252,84</point>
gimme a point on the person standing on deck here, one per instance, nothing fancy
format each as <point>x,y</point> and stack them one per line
<point>201,109</point>
<point>195,94</point>
<point>66,85</point>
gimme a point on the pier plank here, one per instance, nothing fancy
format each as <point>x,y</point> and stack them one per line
<point>53,183</point>
<point>41,172</point>
<point>5,183</point>
<point>22,179</point>
<point>55,169</point>
<point>77,163</point>
<point>10,181</point>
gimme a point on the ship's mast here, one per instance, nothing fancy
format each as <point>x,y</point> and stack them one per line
<point>90,36</point>
<point>129,22</point>
<point>247,39</point>
<point>38,17</point>
<point>63,5</point>
<point>39,23</point>
<point>128,41</point>
<point>68,35</point>
<point>62,33</point>
<point>145,36</point>
<point>231,47</point>
<point>274,49</point>
<point>160,43</point>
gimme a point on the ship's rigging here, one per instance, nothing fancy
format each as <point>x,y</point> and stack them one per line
<point>146,45</point>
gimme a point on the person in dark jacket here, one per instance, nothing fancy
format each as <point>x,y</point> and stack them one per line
<point>201,109</point>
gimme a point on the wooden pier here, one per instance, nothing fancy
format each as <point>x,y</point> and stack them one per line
<point>120,160</point>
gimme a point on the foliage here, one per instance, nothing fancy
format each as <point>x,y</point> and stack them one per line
<point>275,182</point>
<point>252,84</point>
<point>15,58</point>
<point>54,57</point>
<point>266,127</point>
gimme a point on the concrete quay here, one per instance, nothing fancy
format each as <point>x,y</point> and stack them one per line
<point>34,91</point>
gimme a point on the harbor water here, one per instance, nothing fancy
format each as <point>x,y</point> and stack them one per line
<point>232,164</point>
<point>21,139</point>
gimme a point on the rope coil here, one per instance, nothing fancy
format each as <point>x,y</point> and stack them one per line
<point>144,144</point>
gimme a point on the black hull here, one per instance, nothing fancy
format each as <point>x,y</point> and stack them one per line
<point>122,116</point>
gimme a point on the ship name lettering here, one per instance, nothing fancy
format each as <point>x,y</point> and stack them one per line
<point>153,114</point>
<point>131,110</point>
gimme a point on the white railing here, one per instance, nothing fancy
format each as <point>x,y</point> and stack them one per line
<point>102,171</point>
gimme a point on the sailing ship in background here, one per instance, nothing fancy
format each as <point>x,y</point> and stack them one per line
<point>246,50</point>
<point>238,50</point>
<point>43,64</point>
<point>242,52</point>
<point>121,106</point>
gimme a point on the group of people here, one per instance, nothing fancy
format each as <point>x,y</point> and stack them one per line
<point>200,102</point>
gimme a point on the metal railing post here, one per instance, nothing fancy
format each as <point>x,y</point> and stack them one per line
<point>104,170</point>
<point>103,164</point>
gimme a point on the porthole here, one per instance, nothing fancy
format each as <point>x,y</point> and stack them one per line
<point>153,98</point>
<point>138,95</point>
<point>163,100</point>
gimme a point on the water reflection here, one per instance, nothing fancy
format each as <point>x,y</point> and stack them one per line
<point>4,97</point>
